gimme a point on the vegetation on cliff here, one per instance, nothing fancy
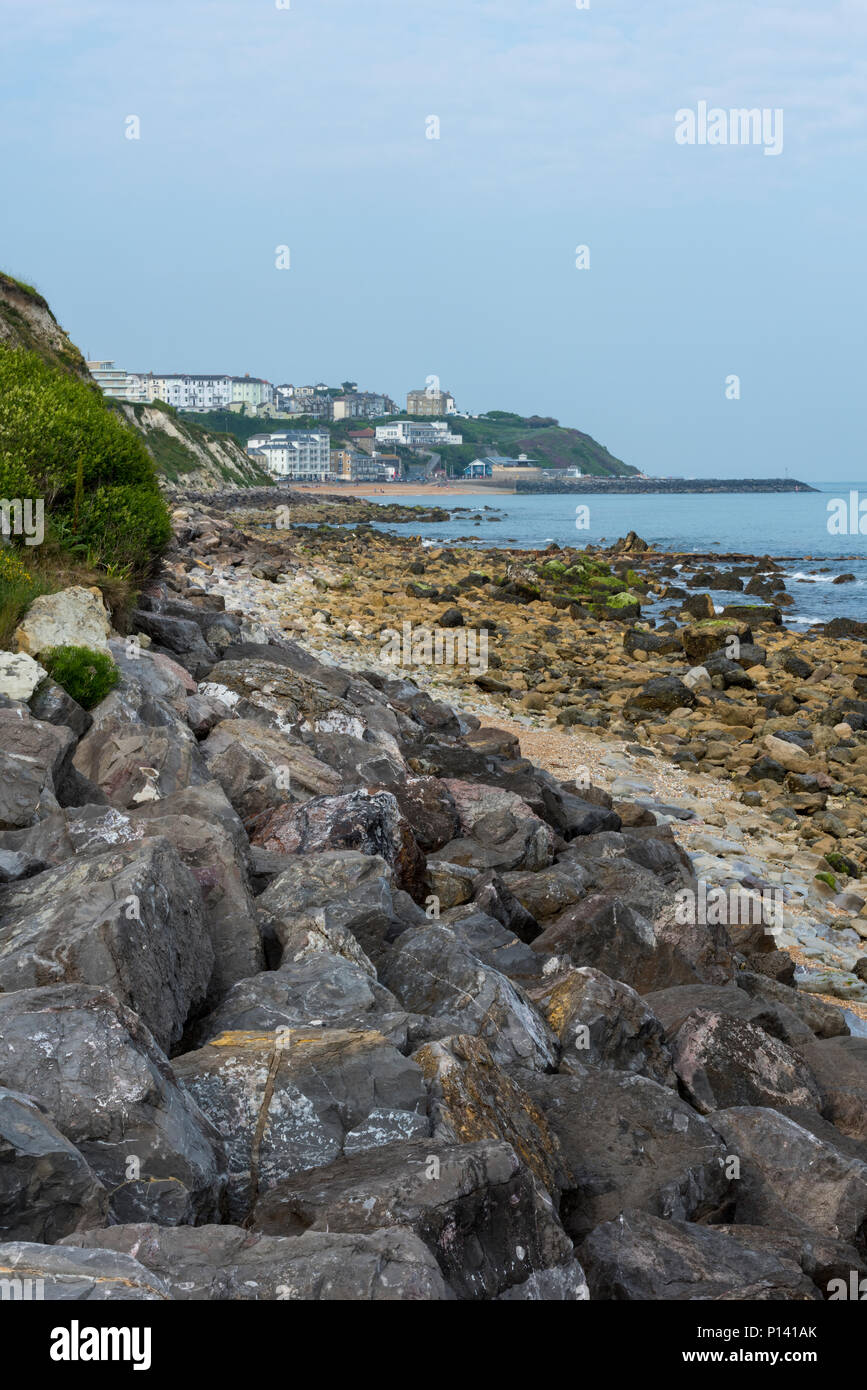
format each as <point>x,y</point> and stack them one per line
<point>542,438</point>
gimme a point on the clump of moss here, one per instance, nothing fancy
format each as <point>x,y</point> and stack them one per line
<point>829,880</point>
<point>86,675</point>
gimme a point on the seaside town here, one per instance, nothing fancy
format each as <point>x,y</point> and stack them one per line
<point>368,452</point>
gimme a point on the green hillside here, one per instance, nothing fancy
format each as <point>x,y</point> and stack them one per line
<point>542,438</point>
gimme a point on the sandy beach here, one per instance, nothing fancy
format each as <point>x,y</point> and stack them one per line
<point>390,490</point>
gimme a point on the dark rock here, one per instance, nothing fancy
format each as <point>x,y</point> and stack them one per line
<point>475,1207</point>
<point>110,1091</point>
<point>296,1099</point>
<point>639,1257</point>
<point>433,973</point>
<point>724,1061</point>
<point>369,824</point>
<point>80,1276</point>
<point>229,1263</point>
<point>629,1142</point>
<point>129,918</point>
<point>46,1186</point>
<point>663,693</point>
<point>775,1155</point>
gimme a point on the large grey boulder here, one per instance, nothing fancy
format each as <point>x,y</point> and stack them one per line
<point>319,988</point>
<point>228,1263</point>
<point>839,1065</point>
<point>210,841</point>
<point>599,1021</point>
<point>129,919</point>
<point>673,1007</point>
<point>791,1180</point>
<point>629,1142</point>
<point>180,636</point>
<point>639,1257</point>
<point>289,1101</point>
<point>47,1188</point>
<point>111,1092</point>
<point>340,901</point>
<point>724,1061</point>
<point>140,762</point>
<point>33,756</point>
<point>261,769</point>
<point>475,1206</point>
<point>60,1274</point>
<point>370,823</point>
<point>432,972</point>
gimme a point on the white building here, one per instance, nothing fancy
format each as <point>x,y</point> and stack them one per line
<point>117,382</point>
<point>415,434</point>
<point>293,455</point>
<point>187,391</point>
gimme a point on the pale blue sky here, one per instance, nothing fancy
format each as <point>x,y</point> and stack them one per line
<point>409,257</point>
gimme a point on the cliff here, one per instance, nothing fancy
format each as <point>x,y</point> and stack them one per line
<point>204,459</point>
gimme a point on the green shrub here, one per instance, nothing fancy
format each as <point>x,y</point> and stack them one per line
<point>86,675</point>
<point>61,442</point>
<point>18,589</point>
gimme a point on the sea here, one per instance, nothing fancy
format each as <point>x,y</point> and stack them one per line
<point>792,527</point>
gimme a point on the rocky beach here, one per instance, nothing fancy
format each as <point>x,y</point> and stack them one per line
<point>329,971</point>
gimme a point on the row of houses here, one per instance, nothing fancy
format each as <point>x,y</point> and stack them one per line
<point>213,391</point>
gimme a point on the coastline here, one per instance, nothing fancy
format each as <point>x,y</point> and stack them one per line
<point>337,592</point>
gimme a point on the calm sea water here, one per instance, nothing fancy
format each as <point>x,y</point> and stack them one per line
<point>792,525</point>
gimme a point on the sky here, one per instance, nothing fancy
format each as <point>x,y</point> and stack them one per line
<point>718,329</point>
